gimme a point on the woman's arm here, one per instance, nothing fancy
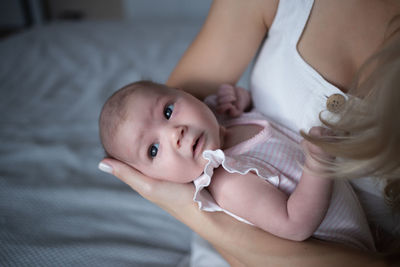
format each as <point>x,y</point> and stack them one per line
<point>249,245</point>
<point>224,47</point>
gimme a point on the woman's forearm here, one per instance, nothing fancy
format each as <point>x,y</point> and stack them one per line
<point>254,247</point>
<point>248,244</point>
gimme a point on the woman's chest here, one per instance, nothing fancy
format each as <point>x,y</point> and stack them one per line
<point>237,134</point>
<point>339,36</point>
<point>312,52</point>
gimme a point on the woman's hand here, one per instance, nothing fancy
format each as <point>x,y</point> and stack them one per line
<point>170,196</point>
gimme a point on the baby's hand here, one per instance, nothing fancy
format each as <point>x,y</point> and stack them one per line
<point>232,100</point>
<point>315,153</point>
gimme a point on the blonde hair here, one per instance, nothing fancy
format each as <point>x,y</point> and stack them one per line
<point>367,137</point>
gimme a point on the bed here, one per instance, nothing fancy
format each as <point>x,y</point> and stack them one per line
<point>56,207</point>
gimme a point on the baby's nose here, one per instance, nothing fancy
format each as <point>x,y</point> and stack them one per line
<point>178,135</point>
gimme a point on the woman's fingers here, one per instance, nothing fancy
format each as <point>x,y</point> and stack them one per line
<point>137,181</point>
<point>167,195</point>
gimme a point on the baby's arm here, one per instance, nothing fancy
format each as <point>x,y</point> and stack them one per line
<point>295,217</point>
<point>232,100</point>
<point>311,198</point>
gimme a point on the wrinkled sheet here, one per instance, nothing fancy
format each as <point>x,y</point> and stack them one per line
<point>56,207</point>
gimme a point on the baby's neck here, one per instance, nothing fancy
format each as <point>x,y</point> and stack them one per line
<point>236,134</point>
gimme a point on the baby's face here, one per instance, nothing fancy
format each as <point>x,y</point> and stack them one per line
<point>165,134</point>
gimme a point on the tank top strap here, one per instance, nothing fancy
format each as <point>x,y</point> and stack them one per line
<point>291,19</point>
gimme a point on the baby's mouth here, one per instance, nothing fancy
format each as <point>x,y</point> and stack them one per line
<point>196,146</point>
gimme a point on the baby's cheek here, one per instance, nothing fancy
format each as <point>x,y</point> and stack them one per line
<point>194,172</point>
<point>201,163</point>
<point>187,171</point>
<point>185,176</point>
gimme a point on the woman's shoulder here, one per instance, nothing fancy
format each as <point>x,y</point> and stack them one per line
<point>265,8</point>
<point>268,9</point>
<point>226,44</point>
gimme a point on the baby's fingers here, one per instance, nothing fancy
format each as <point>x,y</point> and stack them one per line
<point>223,108</point>
<point>314,149</point>
<point>226,99</point>
<point>226,89</point>
<point>226,93</point>
<point>228,109</point>
<point>319,131</point>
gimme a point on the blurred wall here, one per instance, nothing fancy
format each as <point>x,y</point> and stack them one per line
<point>11,14</point>
<point>128,9</point>
<point>16,15</point>
<point>20,13</point>
<point>86,9</point>
<point>166,9</point>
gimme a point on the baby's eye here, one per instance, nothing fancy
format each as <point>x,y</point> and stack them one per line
<point>168,111</point>
<point>153,149</point>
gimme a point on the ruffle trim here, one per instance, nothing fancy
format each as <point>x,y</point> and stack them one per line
<point>215,159</point>
<point>202,197</point>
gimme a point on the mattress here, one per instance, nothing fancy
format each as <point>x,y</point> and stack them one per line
<point>56,207</point>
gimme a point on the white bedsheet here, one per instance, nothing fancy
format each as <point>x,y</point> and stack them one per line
<point>56,207</point>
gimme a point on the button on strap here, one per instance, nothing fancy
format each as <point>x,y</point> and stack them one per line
<point>335,103</point>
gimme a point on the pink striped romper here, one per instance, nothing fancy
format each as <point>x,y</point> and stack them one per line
<point>275,155</point>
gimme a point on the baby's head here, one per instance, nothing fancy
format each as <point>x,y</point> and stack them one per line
<point>158,130</point>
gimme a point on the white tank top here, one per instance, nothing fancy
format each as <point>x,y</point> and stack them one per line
<point>285,87</point>
<point>289,91</point>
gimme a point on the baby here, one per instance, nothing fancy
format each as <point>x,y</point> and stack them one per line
<point>248,167</point>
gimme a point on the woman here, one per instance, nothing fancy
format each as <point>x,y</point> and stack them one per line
<point>313,51</point>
